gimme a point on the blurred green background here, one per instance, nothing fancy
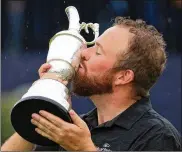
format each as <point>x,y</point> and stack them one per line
<point>7,102</point>
<point>8,99</point>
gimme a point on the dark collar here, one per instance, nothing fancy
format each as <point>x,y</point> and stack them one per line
<point>91,118</point>
<point>126,119</point>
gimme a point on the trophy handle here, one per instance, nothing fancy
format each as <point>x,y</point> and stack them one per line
<point>73,18</point>
<point>94,27</point>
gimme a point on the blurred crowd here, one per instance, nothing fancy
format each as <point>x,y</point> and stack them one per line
<point>29,24</point>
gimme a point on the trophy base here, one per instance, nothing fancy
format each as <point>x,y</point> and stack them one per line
<point>21,117</point>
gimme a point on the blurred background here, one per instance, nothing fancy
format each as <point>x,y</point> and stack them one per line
<point>28,25</point>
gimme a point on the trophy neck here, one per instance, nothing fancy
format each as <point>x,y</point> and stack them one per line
<point>71,32</point>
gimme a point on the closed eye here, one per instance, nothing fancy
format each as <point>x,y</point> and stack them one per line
<point>98,50</point>
<point>97,53</point>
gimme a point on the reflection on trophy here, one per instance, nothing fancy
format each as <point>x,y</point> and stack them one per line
<point>48,93</point>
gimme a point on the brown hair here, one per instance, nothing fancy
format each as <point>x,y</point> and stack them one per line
<point>145,56</point>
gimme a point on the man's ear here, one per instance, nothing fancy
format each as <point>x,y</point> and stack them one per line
<point>124,77</point>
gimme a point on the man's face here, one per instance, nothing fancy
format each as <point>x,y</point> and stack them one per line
<point>95,74</point>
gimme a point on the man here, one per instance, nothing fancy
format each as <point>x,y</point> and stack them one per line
<point>117,74</point>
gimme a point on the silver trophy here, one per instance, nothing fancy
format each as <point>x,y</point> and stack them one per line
<point>48,93</point>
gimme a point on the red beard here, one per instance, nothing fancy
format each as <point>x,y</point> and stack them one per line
<point>88,86</point>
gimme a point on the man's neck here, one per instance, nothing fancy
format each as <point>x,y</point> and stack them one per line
<point>111,105</point>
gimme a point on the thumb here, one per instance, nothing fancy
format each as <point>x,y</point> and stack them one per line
<point>76,119</point>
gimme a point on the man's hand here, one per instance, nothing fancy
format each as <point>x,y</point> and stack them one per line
<point>71,137</point>
<point>43,73</point>
<point>43,69</point>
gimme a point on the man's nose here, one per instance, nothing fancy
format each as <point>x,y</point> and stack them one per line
<point>85,54</point>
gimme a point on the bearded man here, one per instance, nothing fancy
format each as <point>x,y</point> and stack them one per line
<point>117,74</point>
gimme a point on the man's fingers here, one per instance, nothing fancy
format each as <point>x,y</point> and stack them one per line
<point>44,68</point>
<point>44,125</point>
<point>76,119</point>
<point>43,133</point>
<point>54,119</point>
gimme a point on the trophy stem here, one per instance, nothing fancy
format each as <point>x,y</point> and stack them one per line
<point>63,69</point>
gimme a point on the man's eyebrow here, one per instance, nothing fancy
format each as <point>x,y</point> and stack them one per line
<point>97,43</point>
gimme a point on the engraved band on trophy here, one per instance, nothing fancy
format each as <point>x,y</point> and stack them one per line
<point>49,94</point>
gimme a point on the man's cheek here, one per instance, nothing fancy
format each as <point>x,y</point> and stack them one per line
<point>99,67</point>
